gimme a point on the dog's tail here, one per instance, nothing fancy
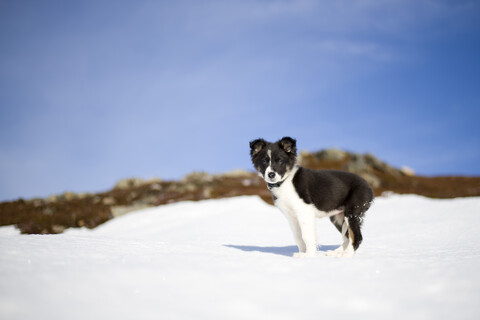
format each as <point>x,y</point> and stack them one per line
<point>358,203</point>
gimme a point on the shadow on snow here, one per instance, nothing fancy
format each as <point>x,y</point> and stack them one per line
<point>287,251</point>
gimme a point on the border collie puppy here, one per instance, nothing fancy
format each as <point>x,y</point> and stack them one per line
<point>303,195</point>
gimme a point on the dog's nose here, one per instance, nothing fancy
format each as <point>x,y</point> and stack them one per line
<point>271,175</point>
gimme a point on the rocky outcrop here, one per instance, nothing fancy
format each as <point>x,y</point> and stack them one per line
<point>366,165</point>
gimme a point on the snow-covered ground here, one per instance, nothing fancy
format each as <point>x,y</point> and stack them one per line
<point>232,259</point>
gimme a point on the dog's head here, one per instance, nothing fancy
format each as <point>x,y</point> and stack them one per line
<point>273,161</point>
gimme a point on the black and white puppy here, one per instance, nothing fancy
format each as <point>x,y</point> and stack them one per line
<point>303,195</point>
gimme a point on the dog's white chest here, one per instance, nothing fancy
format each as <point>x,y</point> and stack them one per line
<point>289,202</point>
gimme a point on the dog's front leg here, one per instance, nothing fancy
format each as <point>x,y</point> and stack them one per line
<point>297,232</point>
<point>306,221</point>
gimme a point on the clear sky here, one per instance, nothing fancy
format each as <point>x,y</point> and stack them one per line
<point>95,91</point>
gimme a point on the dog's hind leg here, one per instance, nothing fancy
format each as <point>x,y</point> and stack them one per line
<point>338,221</point>
<point>355,222</point>
<point>346,249</point>
<point>354,214</point>
<point>357,203</point>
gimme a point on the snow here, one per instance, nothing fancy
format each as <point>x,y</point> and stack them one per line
<point>232,259</point>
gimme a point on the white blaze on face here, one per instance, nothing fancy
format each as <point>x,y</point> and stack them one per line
<point>269,171</point>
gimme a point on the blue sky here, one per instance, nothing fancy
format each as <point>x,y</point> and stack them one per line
<point>95,91</point>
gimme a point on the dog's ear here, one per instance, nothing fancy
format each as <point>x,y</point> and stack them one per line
<point>256,146</point>
<point>288,145</point>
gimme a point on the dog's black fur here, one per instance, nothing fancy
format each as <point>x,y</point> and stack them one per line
<point>327,190</point>
<point>330,189</point>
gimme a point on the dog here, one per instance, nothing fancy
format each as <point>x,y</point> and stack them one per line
<point>303,195</point>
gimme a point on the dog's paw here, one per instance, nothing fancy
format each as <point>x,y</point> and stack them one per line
<point>305,254</point>
<point>340,253</point>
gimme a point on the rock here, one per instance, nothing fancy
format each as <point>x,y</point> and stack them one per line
<point>37,202</point>
<point>108,201</point>
<point>121,210</point>
<point>189,187</point>
<point>69,196</point>
<point>84,195</point>
<point>48,211</point>
<point>172,187</point>
<point>374,162</point>
<point>372,179</point>
<point>156,187</point>
<point>56,228</point>
<point>387,194</point>
<point>52,199</point>
<point>363,165</point>
<point>357,164</point>
<point>237,173</point>
<point>129,183</point>
<point>331,154</point>
<point>207,192</point>
<point>132,196</point>
<point>407,171</point>
<point>247,182</point>
<point>147,201</point>
<point>198,177</point>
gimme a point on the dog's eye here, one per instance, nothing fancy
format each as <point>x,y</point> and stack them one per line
<point>279,161</point>
<point>265,161</point>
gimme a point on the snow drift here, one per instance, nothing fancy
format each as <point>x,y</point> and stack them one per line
<point>232,259</point>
